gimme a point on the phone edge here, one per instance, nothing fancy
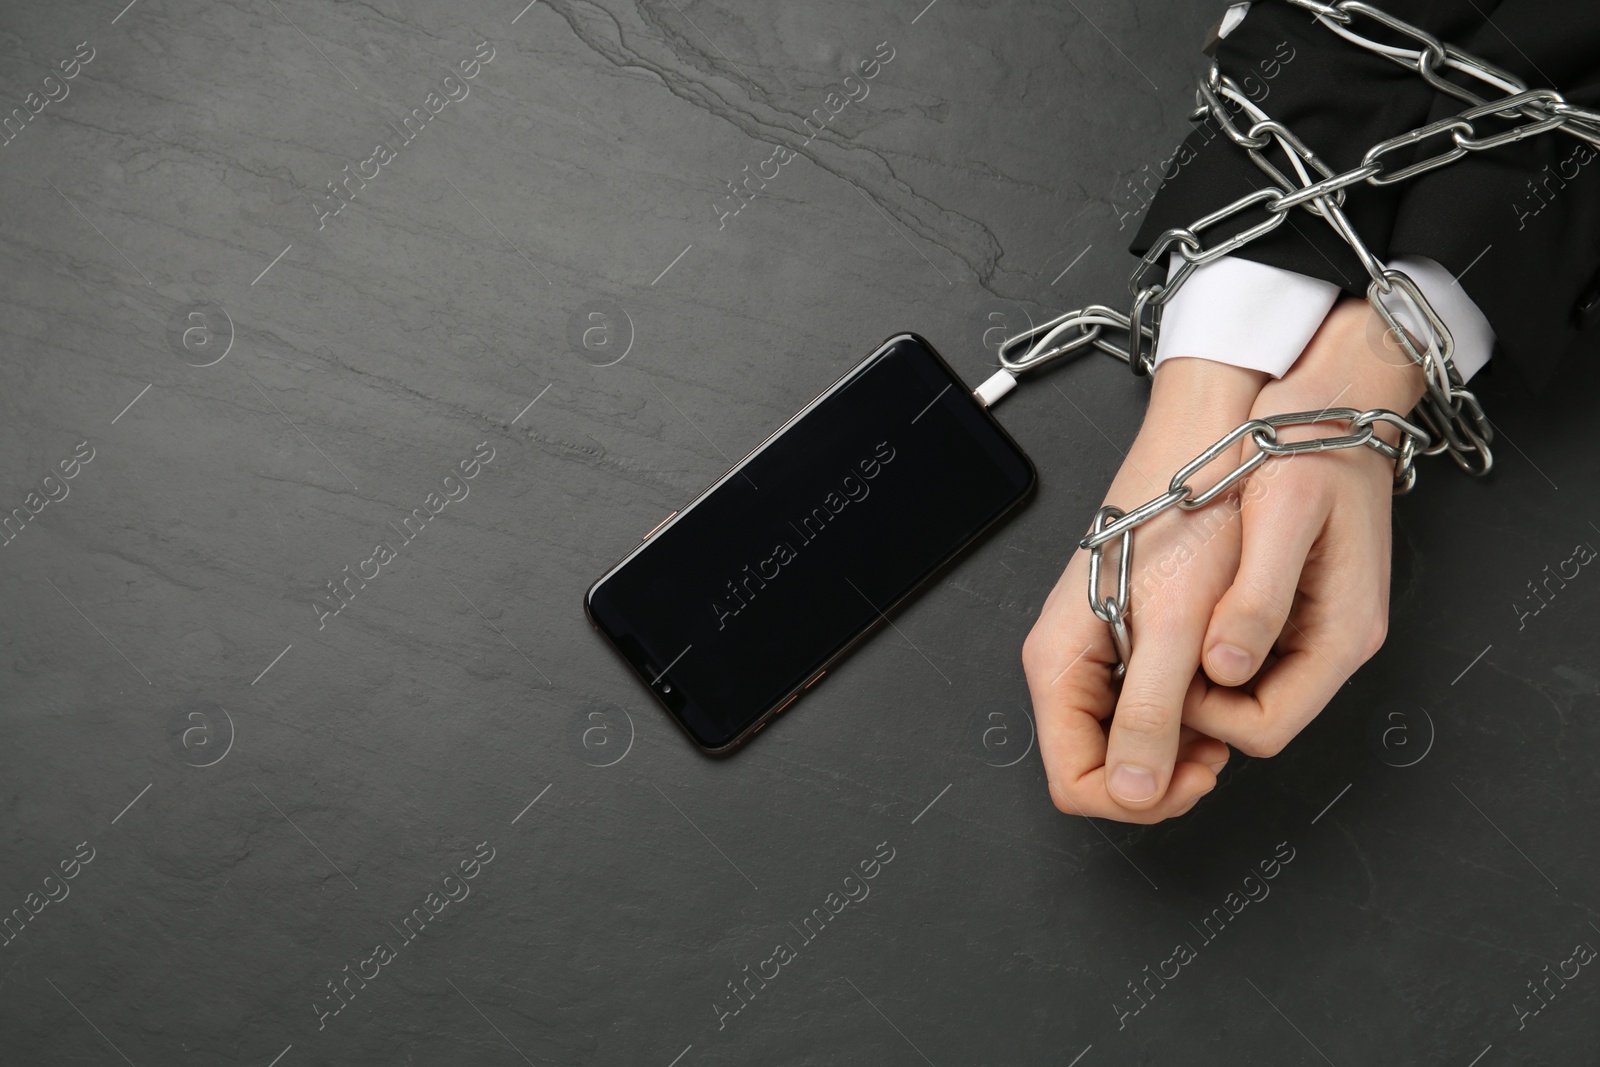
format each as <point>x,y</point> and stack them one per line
<point>772,712</point>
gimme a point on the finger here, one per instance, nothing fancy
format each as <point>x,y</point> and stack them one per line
<point>1278,531</point>
<point>1142,748</point>
<point>1337,625</point>
<point>1196,747</point>
<point>1067,661</point>
<point>1070,681</point>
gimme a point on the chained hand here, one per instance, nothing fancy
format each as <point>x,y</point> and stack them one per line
<point>1119,751</point>
<point>1310,602</point>
<point>1288,568</point>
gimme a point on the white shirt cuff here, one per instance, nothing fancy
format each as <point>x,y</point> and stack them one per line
<point>1247,314</point>
<point>1473,335</point>
<point>1243,313</point>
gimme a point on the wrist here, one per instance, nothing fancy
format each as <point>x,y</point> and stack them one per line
<point>1352,362</point>
<point>1195,400</point>
<point>1361,362</point>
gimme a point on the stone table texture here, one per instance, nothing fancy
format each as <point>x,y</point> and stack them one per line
<point>441,824</point>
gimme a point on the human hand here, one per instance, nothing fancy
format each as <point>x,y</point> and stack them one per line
<point>1121,752</point>
<point>1310,602</point>
<point>1189,591</point>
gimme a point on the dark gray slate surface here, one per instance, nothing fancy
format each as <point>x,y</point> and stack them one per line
<point>159,617</point>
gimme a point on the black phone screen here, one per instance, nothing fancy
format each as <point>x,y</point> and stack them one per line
<point>789,558</point>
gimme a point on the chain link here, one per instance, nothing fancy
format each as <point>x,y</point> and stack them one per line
<point>1449,417</point>
<point>1263,433</point>
<point>1112,523</point>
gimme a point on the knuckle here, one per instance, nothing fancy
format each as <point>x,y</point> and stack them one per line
<point>1361,642</point>
<point>1376,631</point>
<point>1255,606</point>
<point>1034,650</point>
<point>1062,799</point>
<point>1263,744</point>
<point>1143,718</point>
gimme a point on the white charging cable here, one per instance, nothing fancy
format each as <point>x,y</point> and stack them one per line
<point>994,387</point>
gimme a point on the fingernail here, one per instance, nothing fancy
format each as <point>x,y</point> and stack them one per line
<point>1216,768</point>
<point>1230,662</point>
<point>1133,784</point>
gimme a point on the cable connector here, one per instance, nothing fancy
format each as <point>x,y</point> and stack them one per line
<point>994,387</point>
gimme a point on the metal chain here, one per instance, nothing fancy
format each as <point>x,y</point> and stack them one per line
<point>1449,417</point>
<point>1111,522</point>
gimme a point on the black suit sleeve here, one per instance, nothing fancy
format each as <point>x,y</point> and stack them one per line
<point>1519,224</point>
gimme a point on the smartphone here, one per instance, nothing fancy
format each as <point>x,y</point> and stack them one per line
<point>742,599</point>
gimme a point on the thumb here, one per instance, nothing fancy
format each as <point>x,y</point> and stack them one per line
<point>1278,530</point>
